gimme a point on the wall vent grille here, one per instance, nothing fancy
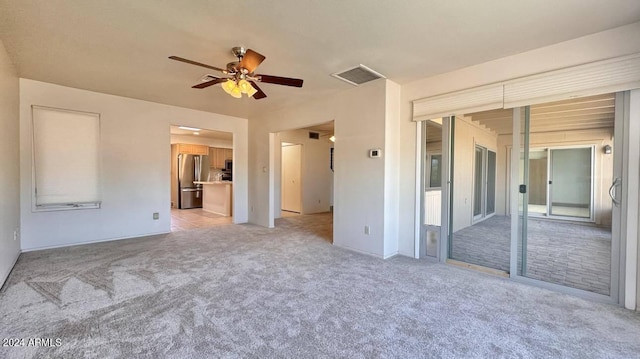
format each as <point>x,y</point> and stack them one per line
<point>314,135</point>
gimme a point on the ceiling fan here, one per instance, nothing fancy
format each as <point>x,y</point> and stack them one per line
<point>240,77</point>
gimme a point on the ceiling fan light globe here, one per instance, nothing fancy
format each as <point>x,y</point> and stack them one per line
<point>236,92</point>
<point>228,86</point>
<point>244,85</point>
<point>251,91</point>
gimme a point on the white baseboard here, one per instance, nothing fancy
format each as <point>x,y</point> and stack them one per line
<point>4,276</point>
<point>24,250</point>
<point>359,251</point>
<point>392,255</point>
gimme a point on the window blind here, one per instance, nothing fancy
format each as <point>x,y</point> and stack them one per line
<point>458,103</point>
<point>607,76</point>
<point>600,77</point>
<point>66,146</point>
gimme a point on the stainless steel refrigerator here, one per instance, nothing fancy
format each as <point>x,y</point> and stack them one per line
<point>191,168</point>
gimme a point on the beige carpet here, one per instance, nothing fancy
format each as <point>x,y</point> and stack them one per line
<point>251,292</point>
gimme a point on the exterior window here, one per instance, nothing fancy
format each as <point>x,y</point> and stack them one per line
<point>435,171</point>
<point>66,156</point>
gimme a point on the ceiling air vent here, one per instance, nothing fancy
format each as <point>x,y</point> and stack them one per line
<point>314,135</point>
<point>358,75</point>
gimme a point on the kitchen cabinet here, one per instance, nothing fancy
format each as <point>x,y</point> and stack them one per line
<point>184,148</point>
<point>220,158</point>
<point>193,149</point>
<point>217,156</point>
<point>199,150</point>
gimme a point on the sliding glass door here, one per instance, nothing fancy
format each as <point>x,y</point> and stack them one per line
<point>571,182</point>
<point>566,178</point>
<point>561,182</point>
<point>531,193</point>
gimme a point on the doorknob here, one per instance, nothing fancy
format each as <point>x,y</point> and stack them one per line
<point>613,192</point>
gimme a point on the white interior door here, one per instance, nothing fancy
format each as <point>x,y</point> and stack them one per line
<point>291,172</point>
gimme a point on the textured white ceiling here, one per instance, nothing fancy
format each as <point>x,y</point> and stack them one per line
<point>121,46</point>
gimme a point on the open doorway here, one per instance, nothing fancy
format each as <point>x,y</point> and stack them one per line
<point>201,178</point>
<point>303,178</point>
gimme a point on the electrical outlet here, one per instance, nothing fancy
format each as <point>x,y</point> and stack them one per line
<point>367,230</point>
<point>156,215</point>
<point>16,234</point>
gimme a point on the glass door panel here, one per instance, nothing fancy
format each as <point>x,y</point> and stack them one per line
<point>571,245</point>
<point>432,188</point>
<point>479,225</point>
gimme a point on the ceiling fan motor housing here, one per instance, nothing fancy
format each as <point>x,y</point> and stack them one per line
<point>239,52</point>
<point>232,67</point>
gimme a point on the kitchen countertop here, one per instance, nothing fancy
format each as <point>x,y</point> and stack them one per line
<point>215,182</point>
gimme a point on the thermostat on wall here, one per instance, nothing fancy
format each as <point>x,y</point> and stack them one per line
<point>375,153</point>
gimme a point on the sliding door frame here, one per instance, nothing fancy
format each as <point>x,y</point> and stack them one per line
<point>484,187</point>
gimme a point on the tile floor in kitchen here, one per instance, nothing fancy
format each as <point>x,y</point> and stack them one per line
<point>185,219</point>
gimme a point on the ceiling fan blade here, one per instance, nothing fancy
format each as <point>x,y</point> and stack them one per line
<point>287,81</point>
<point>209,83</point>
<point>260,94</point>
<point>251,60</point>
<point>195,63</point>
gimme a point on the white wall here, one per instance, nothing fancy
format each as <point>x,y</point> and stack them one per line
<point>135,156</point>
<point>616,42</point>
<point>359,182</point>
<point>317,177</point>
<point>195,140</point>
<point>391,170</point>
<point>10,164</point>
